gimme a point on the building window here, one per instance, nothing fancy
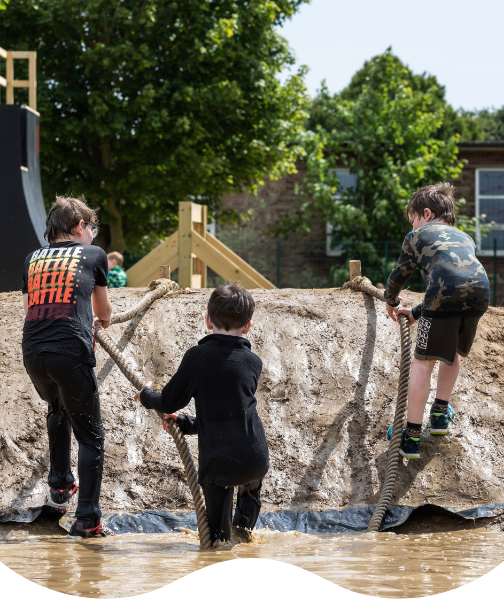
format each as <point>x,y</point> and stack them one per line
<point>347,181</point>
<point>490,202</point>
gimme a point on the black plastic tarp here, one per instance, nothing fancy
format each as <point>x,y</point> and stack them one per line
<point>328,521</point>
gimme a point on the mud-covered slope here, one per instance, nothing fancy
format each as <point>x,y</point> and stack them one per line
<point>326,397</point>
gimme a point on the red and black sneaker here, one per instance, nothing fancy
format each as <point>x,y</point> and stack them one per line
<point>89,529</point>
<point>59,498</point>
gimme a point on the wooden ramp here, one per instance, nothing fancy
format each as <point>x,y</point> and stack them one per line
<point>192,249</point>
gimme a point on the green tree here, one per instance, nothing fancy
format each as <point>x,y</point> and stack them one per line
<point>462,122</point>
<point>492,123</point>
<point>144,104</point>
<point>386,136</point>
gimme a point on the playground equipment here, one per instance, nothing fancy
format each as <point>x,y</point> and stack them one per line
<point>21,200</point>
<point>191,250</point>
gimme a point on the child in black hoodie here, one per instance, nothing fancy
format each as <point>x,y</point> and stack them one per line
<point>221,373</point>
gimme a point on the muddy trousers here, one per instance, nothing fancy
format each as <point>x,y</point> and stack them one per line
<point>219,507</point>
<point>69,387</point>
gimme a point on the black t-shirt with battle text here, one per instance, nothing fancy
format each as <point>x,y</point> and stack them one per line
<point>59,280</point>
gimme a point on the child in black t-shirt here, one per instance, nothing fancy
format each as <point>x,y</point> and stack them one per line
<point>63,283</point>
<point>221,373</point>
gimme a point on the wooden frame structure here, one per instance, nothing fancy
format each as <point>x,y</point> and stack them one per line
<point>192,249</point>
<point>10,83</point>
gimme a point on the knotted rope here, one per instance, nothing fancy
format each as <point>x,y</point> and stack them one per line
<point>159,289</point>
<point>364,285</point>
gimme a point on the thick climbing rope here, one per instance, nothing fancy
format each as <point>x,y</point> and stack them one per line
<point>160,288</point>
<point>364,285</point>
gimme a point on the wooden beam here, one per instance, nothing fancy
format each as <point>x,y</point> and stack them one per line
<point>204,219</point>
<point>21,83</point>
<point>185,244</point>
<point>32,76</point>
<point>197,213</point>
<point>3,53</point>
<point>355,269</point>
<point>9,76</point>
<point>220,263</point>
<point>244,266</point>
<point>21,54</point>
<point>164,271</point>
<point>148,266</point>
<point>155,274</point>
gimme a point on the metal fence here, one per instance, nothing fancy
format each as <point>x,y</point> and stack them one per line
<point>306,265</point>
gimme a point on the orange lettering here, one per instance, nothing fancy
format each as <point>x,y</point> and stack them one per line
<point>36,296</point>
<point>30,285</point>
<point>44,279</point>
<point>70,278</point>
<point>51,296</point>
<point>68,293</point>
<point>36,281</point>
<point>64,263</point>
<point>73,264</point>
<point>53,279</point>
<point>60,278</point>
<point>43,293</point>
<point>59,299</point>
<point>40,265</point>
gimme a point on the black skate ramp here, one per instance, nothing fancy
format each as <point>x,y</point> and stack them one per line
<point>22,206</point>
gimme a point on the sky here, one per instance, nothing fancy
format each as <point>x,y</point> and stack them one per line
<point>458,41</point>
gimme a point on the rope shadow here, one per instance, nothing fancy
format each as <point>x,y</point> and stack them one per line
<point>354,410</point>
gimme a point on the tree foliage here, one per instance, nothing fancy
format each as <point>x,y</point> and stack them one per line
<point>385,132</point>
<point>144,104</point>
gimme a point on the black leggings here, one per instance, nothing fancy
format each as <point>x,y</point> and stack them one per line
<point>69,387</point>
<point>219,507</point>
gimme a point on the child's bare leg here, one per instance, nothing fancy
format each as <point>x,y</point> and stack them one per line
<point>419,387</point>
<point>447,378</point>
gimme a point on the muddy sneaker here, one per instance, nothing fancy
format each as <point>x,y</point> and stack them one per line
<point>89,529</point>
<point>410,444</point>
<point>440,418</point>
<point>58,499</point>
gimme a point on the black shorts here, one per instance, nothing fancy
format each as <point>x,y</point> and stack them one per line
<point>443,338</point>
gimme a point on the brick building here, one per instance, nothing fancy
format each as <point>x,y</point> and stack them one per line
<point>306,260</point>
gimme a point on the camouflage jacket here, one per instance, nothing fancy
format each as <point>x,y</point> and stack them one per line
<point>116,277</point>
<point>457,284</point>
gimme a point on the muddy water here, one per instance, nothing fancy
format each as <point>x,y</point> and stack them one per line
<point>381,564</point>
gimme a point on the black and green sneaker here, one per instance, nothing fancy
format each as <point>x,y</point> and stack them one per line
<point>440,418</point>
<point>410,444</point>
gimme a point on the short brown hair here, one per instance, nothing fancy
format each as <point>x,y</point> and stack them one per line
<point>116,256</point>
<point>65,214</point>
<point>230,307</point>
<point>439,198</point>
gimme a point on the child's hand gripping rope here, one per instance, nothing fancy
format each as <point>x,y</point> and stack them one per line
<point>394,312</point>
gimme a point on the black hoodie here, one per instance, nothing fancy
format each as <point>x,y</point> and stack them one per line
<point>221,373</point>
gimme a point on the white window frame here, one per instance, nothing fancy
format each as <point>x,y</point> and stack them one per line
<point>500,226</point>
<point>338,250</point>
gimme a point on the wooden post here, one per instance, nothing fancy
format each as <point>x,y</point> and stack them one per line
<point>185,245</point>
<point>32,81</point>
<point>204,217</point>
<point>164,271</point>
<point>355,269</point>
<point>9,76</point>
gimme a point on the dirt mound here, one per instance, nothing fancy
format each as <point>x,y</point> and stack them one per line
<point>326,397</point>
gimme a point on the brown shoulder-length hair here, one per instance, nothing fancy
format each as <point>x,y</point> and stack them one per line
<point>439,198</point>
<point>65,214</point>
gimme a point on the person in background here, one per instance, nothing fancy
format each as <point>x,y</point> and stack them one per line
<point>116,274</point>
